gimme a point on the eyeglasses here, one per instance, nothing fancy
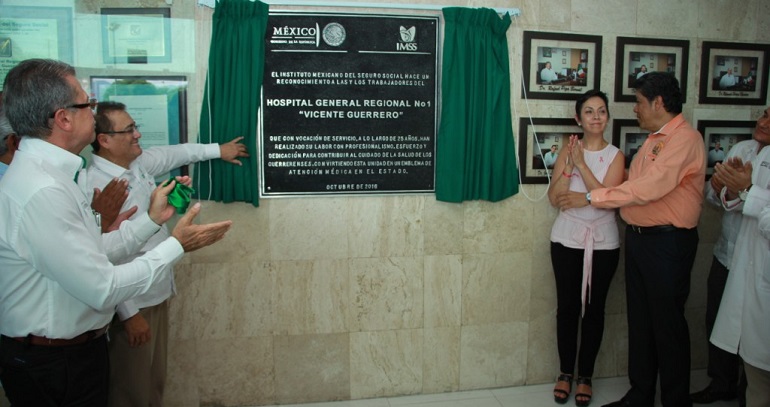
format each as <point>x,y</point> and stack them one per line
<point>130,130</point>
<point>92,103</point>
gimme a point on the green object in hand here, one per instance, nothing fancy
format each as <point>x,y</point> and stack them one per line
<point>179,198</point>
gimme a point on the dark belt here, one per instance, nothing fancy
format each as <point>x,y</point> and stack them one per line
<point>43,341</point>
<point>649,230</point>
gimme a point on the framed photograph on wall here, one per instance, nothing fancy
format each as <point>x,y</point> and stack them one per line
<point>156,103</point>
<point>628,137</point>
<point>638,56</point>
<point>733,73</point>
<point>540,142</point>
<point>136,35</point>
<point>720,136</point>
<point>560,78</point>
<point>34,32</point>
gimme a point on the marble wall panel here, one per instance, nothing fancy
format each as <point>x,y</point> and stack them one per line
<point>493,355</point>
<point>386,293</point>
<point>309,228</point>
<point>763,24</point>
<point>386,363</point>
<point>311,297</point>
<point>228,301</point>
<point>236,371</point>
<point>662,18</point>
<point>182,382</point>
<point>442,291</point>
<point>442,228</point>
<point>549,16</point>
<point>714,25</point>
<point>386,226</point>
<point>496,288</point>
<point>246,241</point>
<point>500,227</point>
<point>441,359</point>
<point>588,16</point>
<point>312,368</point>
<point>542,354</point>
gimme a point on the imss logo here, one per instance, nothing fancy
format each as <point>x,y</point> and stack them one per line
<point>407,39</point>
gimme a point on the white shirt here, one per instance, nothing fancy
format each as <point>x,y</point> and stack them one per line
<point>727,81</point>
<point>548,75</point>
<point>549,159</point>
<point>570,227</point>
<point>731,220</point>
<point>55,277</point>
<point>141,175</point>
<point>716,155</point>
<point>742,321</point>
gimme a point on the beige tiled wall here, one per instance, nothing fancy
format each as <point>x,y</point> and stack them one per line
<point>311,299</point>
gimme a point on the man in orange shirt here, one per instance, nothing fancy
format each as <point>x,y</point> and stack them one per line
<point>661,202</point>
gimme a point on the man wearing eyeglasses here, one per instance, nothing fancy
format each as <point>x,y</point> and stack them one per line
<point>58,287</point>
<point>138,336</point>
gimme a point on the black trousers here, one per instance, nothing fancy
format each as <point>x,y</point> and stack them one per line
<point>722,365</point>
<point>43,376</point>
<point>568,272</point>
<point>658,270</point>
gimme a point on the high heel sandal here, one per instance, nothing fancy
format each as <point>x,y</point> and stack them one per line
<point>559,395</point>
<point>586,397</point>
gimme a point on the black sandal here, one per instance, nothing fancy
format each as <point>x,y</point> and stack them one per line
<point>561,396</point>
<point>585,381</point>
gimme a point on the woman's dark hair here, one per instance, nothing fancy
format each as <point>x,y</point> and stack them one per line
<point>588,95</point>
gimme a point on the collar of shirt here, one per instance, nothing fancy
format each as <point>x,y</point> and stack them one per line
<point>55,156</point>
<point>109,167</point>
<point>675,122</point>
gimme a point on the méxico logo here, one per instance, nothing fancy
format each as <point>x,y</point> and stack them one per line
<point>334,34</point>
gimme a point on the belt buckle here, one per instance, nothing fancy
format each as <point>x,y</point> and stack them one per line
<point>637,229</point>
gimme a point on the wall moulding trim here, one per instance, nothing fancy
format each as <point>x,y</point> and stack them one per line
<point>514,12</point>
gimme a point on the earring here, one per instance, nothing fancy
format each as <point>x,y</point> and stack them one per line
<point>580,124</point>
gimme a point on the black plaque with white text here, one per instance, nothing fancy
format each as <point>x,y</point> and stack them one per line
<point>349,104</point>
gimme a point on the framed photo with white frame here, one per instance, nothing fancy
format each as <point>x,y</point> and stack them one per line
<point>734,73</point>
<point>628,137</point>
<point>539,139</point>
<point>136,35</point>
<point>720,136</point>
<point>565,78</point>
<point>638,56</point>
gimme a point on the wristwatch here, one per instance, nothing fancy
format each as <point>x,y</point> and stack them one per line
<point>744,193</point>
<point>588,197</point>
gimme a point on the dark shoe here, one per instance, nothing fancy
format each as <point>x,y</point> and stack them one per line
<point>582,399</point>
<point>619,403</point>
<point>559,395</point>
<point>708,396</point>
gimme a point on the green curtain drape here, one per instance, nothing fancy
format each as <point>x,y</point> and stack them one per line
<point>231,99</point>
<point>475,157</point>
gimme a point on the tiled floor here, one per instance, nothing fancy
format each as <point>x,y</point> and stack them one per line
<point>605,391</point>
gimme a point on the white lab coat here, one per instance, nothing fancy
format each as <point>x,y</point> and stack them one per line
<point>743,322</point>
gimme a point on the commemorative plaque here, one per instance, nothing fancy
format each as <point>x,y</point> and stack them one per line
<point>349,104</point>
